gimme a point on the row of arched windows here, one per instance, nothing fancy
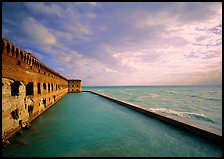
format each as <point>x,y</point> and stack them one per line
<point>30,88</point>
<point>50,87</point>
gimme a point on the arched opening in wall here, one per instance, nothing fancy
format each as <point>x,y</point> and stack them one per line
<point>24,58</point>
<point>44,102</point>
<point>15,88</point>
<point>15,114</point>
<point>8,48</point>
<point>52,87</point>
<point>30,109</point>
<point>21,55</point>
<point>13,50</point>
<point>38,88</point>
<point>49,87</point>
<point>54,97</point>
<point>17,53</point>
<point>44,86</point>
<point>19,63</point>
<point>29,88</point>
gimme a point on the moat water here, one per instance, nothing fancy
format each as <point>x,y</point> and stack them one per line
<point>83,124</point>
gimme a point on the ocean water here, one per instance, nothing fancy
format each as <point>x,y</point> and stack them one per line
<point>86,125</point>
<point>200,103</point>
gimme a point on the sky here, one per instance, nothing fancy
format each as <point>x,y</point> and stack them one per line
<point>121,43</point>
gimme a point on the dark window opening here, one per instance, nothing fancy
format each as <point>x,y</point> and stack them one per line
<point>38,87</point>
<point>72,89</point>
<point>30,109</point>
<point>15,88</point>
<point>17,53</point>
<point>77,85</point>
<point>30,67</point>
<point>49,99</point>
<point>44,86</point>
<point>39,70</point>
<point>15,114</point>
<point>24,58</point>
<point>72,85</point>
<point>2,84</point>
<point>77,89</point>
<point>8,48</point>
<point>21,55</point>
<point>52,87</point>
<point>29,88</point>
<point>13,50</point>
<point>49,87</point>
<point>44,101</point>
<point>19,63</point>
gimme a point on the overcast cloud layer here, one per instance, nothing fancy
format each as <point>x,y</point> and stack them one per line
<point>121,43</point>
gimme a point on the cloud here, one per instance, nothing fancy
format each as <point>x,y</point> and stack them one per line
<point>91,15</point>
<point>44,8</point>
<point>36,32</point>
<point>93,4</point>
<point>131,43</point>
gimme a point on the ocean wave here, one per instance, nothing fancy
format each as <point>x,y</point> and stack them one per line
<point>150,96</point>
<point>173,92</point>
<point>100,90</point>
<point>182,114</point>
<point>214,99</point>
<point>196,96</point>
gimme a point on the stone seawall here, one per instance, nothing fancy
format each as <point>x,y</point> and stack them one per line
<point>208,132</point>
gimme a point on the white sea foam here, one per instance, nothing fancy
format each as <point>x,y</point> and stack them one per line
<point>173,92</point>
<point>150,96</point>
<point>181,114</point>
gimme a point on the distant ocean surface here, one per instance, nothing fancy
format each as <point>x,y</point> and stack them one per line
<point>200,103</point>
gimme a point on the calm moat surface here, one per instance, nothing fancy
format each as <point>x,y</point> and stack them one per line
<point>83,124</point>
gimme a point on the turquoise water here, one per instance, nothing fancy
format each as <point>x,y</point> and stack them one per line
<point>84,124</point>
<point>200,103</point>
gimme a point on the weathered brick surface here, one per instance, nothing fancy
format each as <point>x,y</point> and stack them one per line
<point>39,88</point>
